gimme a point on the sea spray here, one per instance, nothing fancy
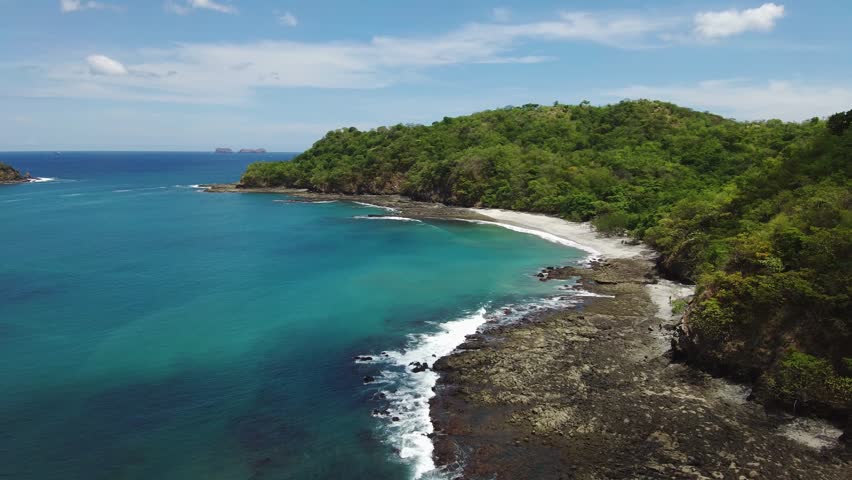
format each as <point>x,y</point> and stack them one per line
<point>407,392</point>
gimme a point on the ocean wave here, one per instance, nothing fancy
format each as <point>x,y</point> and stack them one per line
<point>71,194</point>
<point>43,179</point>
<point>194,186</point>
<point>304,201</point>
<point>407,393</point>
<point>593,254</point>
<point>364,204</point>
<point>123,190</point>
<point>387,217</point>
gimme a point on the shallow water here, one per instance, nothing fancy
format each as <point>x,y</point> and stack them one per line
<point>148,330</point>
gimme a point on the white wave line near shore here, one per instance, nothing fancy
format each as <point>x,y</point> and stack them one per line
<point>543,235</point>
<point>408,399</point>
<point>387,217</point>
<point>408,392</point>
<point>42,179</point>
<point>365,204</point>
<point>582,235</point>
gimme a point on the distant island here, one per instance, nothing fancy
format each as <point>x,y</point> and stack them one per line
<point>10,175</point>
<point>242,150</point>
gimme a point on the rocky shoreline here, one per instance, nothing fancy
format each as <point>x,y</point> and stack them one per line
<point>593,392</point>
<point>9,175</point>
<point>403,206</point>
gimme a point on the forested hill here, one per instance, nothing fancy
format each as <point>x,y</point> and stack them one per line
<point>756,213</point>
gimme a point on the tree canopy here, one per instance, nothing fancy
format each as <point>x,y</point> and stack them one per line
<point>756,213</point>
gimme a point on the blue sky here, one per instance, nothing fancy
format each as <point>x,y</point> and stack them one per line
<point>197,74</point>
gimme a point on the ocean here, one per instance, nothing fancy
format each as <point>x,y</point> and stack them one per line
<point>149,330</point>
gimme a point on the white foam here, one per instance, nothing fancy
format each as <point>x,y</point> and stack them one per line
<point>42,179</point>
<point>195,186</point>
<point>387,217</point>
<point>410,401</point>
<point>122,191</point>
<point>390,209</point>
<point>305,201</point>
<point>410,393</point>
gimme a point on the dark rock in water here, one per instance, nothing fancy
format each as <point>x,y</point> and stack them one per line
<point>10,175</point>
<point>540,275</point>
<point>551,268</point>
<point>507,311</point>
<point>395,419</point>
<point>381,413</point>
<point>369,379</point>
<point>419,367</point>
<point>363,358</point>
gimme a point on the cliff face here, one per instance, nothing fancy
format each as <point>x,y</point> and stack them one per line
<point>10,175</point>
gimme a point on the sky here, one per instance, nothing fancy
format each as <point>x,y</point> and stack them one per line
<point>278,74</point>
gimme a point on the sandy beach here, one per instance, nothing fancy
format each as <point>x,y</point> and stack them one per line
<point>662,293</point>
<point>592,391</point>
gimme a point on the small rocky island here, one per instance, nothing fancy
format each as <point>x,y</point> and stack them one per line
<point>10,175</point>
<point>242,150</point>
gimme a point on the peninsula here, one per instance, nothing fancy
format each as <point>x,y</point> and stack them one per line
<point>10,175</point>
<point>754,215</point>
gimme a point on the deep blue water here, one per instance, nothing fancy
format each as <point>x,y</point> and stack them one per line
<point>151,331</point>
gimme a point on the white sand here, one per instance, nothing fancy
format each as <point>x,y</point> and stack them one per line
<point>583,235</point>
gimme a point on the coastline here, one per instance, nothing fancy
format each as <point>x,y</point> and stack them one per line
<point>541,387</point>
<point>592,391</point>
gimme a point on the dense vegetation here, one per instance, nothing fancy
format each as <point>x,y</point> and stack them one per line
<point>757,214</point>
<point>9,174</point>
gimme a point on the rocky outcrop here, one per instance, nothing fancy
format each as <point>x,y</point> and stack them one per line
<point>10,175</point>
<point>252,150</point>
<point>224,150</point>
<point>593,393</point>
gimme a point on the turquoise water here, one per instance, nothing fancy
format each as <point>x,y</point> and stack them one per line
<point>151,331</point>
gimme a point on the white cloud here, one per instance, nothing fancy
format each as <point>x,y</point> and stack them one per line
<point>103,65</point>
<point>186,6</point>
<point>67,6</point>
<point>746,100</point>
<point>229,73</point>
<point>501,14</point>
<point>288,19</point>
<point>711,25</point>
